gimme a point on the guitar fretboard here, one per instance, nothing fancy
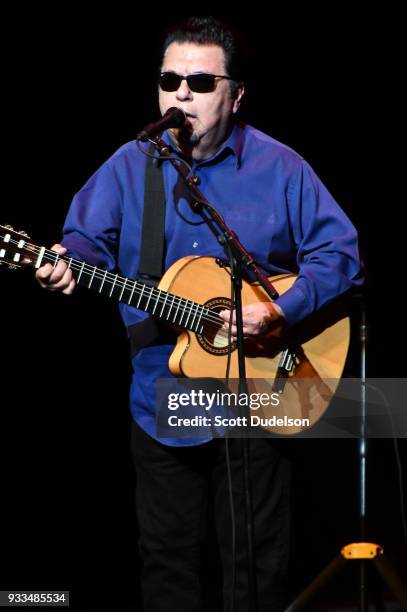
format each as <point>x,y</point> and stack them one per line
<point>172,308</point>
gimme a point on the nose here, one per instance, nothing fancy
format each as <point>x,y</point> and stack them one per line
<point>183,91</point>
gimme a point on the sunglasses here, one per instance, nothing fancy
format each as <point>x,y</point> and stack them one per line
<point>200,83</point>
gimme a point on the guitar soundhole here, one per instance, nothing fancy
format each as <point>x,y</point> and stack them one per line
<point>214,339</point>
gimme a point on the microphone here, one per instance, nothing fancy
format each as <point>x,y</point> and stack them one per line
<point>173,118</point>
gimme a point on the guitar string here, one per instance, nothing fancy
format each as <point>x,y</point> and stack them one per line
<point>211,317</point>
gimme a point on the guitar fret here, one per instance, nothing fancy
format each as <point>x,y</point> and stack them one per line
<point>80,273</point>
<point>132,292</point>
<point>70,262</point>
<point>189,314</point>
<point>56,259</point>
<point>176,312</point>
<point>139,300</point>
<point>92,277</point>
<point>170,307</point>
<point>39,258</point>
<point>103,282</point>
<point>196,312</point>
<point>162,309</point>
<point>186,302</point>
<point>149,298</point>
<point>113,284</point>
<point>122,291</point>
<point>156,301</point>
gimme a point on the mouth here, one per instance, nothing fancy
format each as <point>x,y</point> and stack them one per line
<point>186,131</point>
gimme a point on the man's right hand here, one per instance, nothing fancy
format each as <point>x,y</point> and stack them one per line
<point>59,278</point>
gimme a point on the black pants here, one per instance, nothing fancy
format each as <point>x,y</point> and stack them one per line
<point>173,485</point>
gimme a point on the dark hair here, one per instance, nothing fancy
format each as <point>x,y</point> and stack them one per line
<point>211,31</point>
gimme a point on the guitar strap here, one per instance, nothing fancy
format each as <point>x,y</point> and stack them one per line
<point>153,232</point>
<point>149,331</point>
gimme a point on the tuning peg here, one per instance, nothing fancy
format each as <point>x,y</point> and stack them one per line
<point>23,233</point>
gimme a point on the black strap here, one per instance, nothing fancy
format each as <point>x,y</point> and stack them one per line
<point>152,236</point>
<point>147,331</point>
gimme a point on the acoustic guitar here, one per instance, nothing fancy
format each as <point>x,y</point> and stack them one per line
<point>303,364</point>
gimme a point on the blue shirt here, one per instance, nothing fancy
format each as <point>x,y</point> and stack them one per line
<point>267,194</point>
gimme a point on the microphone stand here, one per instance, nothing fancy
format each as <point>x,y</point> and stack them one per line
<point>241,260</point>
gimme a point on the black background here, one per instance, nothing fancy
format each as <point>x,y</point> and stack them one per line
<point>75,87</point>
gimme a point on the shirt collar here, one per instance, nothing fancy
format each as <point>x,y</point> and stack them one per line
<point>235,142</point>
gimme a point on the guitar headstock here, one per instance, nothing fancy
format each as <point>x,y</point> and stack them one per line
<point>15,250</point>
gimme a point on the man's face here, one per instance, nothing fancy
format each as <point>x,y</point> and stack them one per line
<point>208,114</point>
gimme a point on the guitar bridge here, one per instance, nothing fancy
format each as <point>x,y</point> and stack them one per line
<point>286,365</point>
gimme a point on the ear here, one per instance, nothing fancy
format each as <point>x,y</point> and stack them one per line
<point>238,97</point>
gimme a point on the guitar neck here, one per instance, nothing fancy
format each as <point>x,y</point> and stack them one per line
<point>171,308</point>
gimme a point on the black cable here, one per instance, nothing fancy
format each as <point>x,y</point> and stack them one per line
<point>227,449</point>
<point>162,157</point>
<point>398,460</point>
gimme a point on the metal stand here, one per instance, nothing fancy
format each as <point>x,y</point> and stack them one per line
<point>362,552</point>
<point>359,551</point>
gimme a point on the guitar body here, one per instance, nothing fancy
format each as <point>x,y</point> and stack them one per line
<point>321,358</point>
